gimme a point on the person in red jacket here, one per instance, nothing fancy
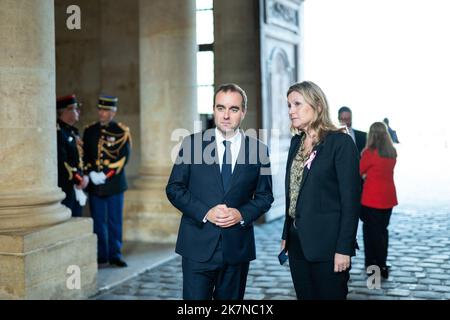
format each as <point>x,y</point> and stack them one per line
<point>379,195</point>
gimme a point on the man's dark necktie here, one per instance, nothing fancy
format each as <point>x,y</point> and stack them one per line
<point>226,165</point>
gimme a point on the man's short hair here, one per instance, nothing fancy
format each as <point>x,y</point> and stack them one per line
<point>226,87</point>
<point>344,109</point>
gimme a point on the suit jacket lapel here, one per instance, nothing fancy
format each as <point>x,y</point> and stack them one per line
<point>292,152</point>
<point>306,171</point>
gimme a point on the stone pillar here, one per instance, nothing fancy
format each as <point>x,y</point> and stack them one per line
<point>167,50</point>
<point>237,52</point>
<point>38,242</point>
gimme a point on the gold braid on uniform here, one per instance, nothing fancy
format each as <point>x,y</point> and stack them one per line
<point>70,170</point>
<point>112,149</point>
<point>79,144</point>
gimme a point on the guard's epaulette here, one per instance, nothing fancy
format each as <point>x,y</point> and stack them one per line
<point>90,125</point>
<point>127,132</point>
<point>123,127</point>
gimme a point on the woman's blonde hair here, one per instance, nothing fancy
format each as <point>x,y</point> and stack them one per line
<point>315,97</point>
<point>379,139</point>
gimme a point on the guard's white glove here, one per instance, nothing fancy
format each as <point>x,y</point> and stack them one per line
<point>80,196</point>
<point>97,177</point>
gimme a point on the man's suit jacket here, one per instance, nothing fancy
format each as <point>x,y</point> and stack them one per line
<point>360,140</point>
<point>328,204</point>
<point>196,187</point>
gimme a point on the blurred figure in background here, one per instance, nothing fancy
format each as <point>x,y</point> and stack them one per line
<point>107,149</point>
<point>391,131</point>
<point>379,195</point>
<point>345,119</point>
<point>70,154</point>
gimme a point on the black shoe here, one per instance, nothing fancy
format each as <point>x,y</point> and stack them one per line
<point>384,272</point>
<point>102,261</point>
<point>119,263</point>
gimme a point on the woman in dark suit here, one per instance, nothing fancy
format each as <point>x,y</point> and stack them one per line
<point>323,192</point>
<point>379,195</point>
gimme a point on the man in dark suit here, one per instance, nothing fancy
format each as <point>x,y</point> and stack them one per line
<point>359,137</point>
<point>70,152</point>
<point>107,146</point>
<point>221,183</point>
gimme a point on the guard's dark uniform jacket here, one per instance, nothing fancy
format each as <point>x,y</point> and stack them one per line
<point>70,163</point>
<point>107,149</point>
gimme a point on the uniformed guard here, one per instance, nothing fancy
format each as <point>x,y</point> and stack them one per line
<point>70,162</point>
<point>107,146</point>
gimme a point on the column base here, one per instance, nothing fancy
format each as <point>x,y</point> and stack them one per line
<point>149,216</point>
<point>35,264</point>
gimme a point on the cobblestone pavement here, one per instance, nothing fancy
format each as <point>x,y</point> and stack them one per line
<point>419,255</point>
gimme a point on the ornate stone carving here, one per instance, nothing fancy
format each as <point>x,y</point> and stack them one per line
<point>280,77</point>
<point>283,14</point>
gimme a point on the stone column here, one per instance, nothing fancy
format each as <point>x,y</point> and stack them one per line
<point>237,52</point>
<point>38,242</point>
<point>167,49</point>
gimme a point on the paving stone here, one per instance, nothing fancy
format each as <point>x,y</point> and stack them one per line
<point>437,261</point>
<point>150,285</point>
<point>430,281</point>
<point>440,288</point>
<point>147,292</point>
<point>278,297</point>
<point>258,272</point>
<point>428,295</point>
<point>264,284</point>
<point>401,264</point>
<point>413,259</point>
<point>427,265</point>
<point>254,296</point>
<point>440,256</point>
<point>405,279</point>
<point>421,248</point>
<point>414,286</point>
<point>400,273</point>
<point>383,297</point>
<point>252,290</point>
<point>172,286</point>
<point>388,284</point>
<point>125,291</point>
<point>412,269</point>
<point>280,273</point>
<point>439,276</point>
<point>398,292</point>
<point>278,291</point>
<point>437,245</point>
<point>263,279</point>
<point>368,291</point>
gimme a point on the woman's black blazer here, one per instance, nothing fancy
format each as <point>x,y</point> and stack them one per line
<point>328,204</point>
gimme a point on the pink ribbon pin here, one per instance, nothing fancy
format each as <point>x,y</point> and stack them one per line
<point>310,160</point>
